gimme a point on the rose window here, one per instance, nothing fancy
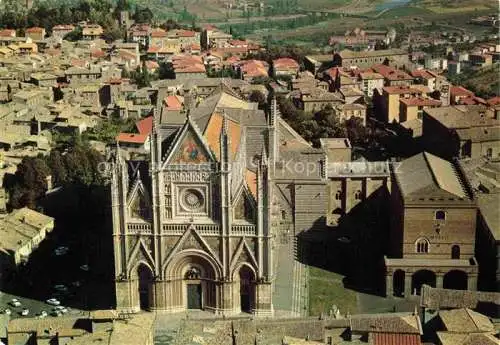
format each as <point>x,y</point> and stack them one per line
<point>192,200</point>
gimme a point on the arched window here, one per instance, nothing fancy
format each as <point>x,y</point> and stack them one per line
<point>455,252</point>
<point>338,195</point>
<point>440,215</point>
<point>283,214</point>
<point>357,195</point>
<point>422,245</point>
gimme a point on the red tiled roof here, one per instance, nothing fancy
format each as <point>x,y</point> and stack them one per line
<point>145,126</point>
<point>7,33</point>
<point>391,73</point>
<point>395,339</point>
<point>494,101</point>
<point>158,33</point>
<point>153,49</point>
<point>460,91</point>
<point>185,33</point>
<point>398,89</point>
<point>472,100</point>
<point>420,101</point>
<point>97,53</point>
<point>35,29</point>
<point>209,27</point>
<point>285,63</point>
<point>133,138</point>
<point>422,73</point>
<point>172,103</point>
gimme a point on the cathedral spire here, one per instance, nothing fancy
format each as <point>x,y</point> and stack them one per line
<point>225,140</point>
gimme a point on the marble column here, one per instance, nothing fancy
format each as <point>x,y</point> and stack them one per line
<point>472,282</point>
<point>407,284</point>
<point>439,280</point>
<point>389,289</point>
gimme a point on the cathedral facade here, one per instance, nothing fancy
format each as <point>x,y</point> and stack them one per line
<point>197,224</point>
<point>192,224</point>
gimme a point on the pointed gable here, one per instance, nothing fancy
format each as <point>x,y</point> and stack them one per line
<point>427,176</point>
<point>213,130</point>
<point>190,150</point>
<point>189,147</point>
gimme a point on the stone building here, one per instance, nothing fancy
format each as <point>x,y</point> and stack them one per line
<point>433,227</point>
<point>195,232</point>
<point>365,59</point>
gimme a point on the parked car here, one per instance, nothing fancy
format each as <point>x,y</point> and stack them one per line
<point>53,301</point>
<point>62,250</point>
<point>85,268</point>
<point>25,312</point>
<point>7,311</point>
<point>56,313</point>
<point>61,309</point>
<point>15,302</point>
<point>61,288</point>
<point>43,314</point>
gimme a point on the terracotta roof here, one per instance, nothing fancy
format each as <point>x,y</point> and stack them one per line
<point>391,73</point>
<point>145,126</point>
<point>494,101</point>
<point>251,181</point>
<point>209,27</point>
<point>254,68</point>
<point>172,103</point>
<point>153,49</point>
<point>132,138</point>
<point>238,42</point>
<point>97,53</point>
<point>213,130</point>
<point>7,33</point>
<point>420,101</point>
<point>395,339</point>
<point>399,89</point>
<point>35,29</point>
<point>285,63</point>
<point>460,91</point>
<point>158,32</point>
<point>422,73</point>
<point>185,33</point>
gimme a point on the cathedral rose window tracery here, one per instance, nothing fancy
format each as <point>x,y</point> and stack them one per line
<point>192,200</point>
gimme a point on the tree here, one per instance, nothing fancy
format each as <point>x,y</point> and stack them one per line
<point>56,164</point>
<point>143,15</point>
<point>258,97</point>
<point>74,35</point>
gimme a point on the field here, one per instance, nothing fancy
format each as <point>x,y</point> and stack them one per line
<point>325,289</point>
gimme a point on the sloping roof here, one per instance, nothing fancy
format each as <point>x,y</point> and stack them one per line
<point>447,338</point>
<point>420,101</point>
<point>172,102</point>
<point>465,320</point>
<point>145,126</point>
<point>132,138</point>
<point>427,176</point>
<point>404,323</point>
<point>395,339</point>
<point>213,131</point>
<point>251,181</point>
